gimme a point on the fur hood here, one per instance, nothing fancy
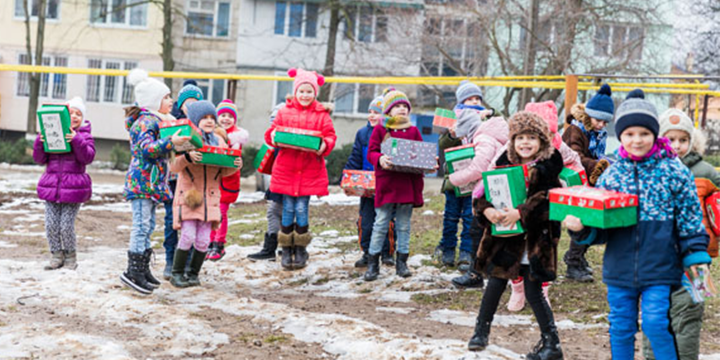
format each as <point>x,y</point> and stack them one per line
<point>578,113</point>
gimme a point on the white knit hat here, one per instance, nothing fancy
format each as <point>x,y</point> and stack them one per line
<point>675,119</point>
<point>77,103</point>
<point>149,92</point>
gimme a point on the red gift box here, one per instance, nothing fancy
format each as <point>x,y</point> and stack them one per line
<point>219,156</point>
<point>712,205</point>
<point>265,159</point>
<point>358,183</point>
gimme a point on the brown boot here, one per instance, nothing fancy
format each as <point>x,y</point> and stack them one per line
<point>302,239</point>
<point>57,261</point>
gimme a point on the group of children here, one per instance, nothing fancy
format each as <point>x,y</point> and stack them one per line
<point>642,262</point>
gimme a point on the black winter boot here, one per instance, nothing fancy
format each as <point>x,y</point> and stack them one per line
<point>300,257</point>
<point>287,258</point>
<point>579,273</point>
<point>268,251</point>
<point>470,279</point>
<point>373,267</point>
<point>480,338</point>
<point>178,271</point>
<point>134,276</point>
<point>387,259</point>
<point>151,280</point>
<point>363,262</point>
<point>548,348</point>
<point>196,263</point>
<point>286,241</point>
<point>401,268</point>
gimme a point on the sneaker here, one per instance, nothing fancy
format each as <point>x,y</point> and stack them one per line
<point>448,258</point>
<point>469,280</point>
<point>217,252</point>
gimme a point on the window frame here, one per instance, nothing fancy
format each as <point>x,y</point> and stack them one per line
<point>35,17</point>
<point>372,25</point>
<point>287,19</point>
<point>48,81</point>
<point>356,93</point>
<point>215,15</point>
<point>119,86</point>
<point>625,52</point>
<point>108,23</point>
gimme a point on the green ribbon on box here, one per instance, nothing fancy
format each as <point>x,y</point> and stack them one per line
<point>505,188</point>
<point>54,123</point>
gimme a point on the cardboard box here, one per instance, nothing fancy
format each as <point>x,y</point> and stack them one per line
<point>264,159</point>
<point>569,177</point>
<point>595,207</point>
<point>444,119</point>
<point>219,156</point>
<point>409,155</point>
<point>298,138</point>
<point>457,158</point>
<point>712,205</point>
<point>506,188</point>
<point>54,120</point>
<point>187,128</point>
<point>358,182</point>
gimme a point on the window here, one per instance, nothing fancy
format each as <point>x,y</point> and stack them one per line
<point>602,40</point>
<point>119,12</point>
<point>549,36</point>
<point>371,25</point>
<point>296,19</point>
<point>127,92</point>
<point>344,98</point>
<point>213,90</point>
<point>282,90</point>
<point>458,40</point>
<point>208,18</point>
<point>106,88</point>
<point>353,98</point>
<point>619,41</point>
<point>51,85</point>
<point>52,8</point>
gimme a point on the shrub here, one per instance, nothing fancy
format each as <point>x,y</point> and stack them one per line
<point>336,161</point>
<point>248,156</point>
<point>19,152</point>
<point>120,157</point>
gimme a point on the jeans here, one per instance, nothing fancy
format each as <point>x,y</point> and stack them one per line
<point>623,318</point>
<point>171,235</point>
<point>403,213</point>
<point>365,227</point>
<point>457,208</point>
<point>143,224</point>
<point>220,234</point>
<point>295,210</point>
<point>686,319</point>
<point>195,233</point>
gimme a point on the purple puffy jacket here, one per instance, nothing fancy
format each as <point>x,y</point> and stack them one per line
<point>65,179</point>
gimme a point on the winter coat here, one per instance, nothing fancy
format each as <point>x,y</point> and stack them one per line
<point>230,185</point>
<point>446,141</point>
<point>203,179</point>
<point>502,256</point>
<point>669,234</point>
<point>574,137</point>
<point>65,179</point>
<point>358,157</point>
<point>393,187</point>
<point>298,172</point>
<point>571,159</point>
<point>489,138</point>
<point>700,168</point>
<point>706,188</point>
<point>147,175</point>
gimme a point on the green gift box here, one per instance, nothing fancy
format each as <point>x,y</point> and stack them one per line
<point>444,119</point>
<point>457,158</point>
<point>168,128</point>
<point>569,177</point>
<point>307,139</point>
<point>506,188</point>
<point>264,159</point>
<point>597,208</point>
<point>219,156</point>
<point>54,122</point>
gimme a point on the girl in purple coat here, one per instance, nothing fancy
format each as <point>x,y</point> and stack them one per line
<point>65,185</point>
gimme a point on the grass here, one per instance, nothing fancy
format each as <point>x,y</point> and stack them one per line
<point>271,339</point>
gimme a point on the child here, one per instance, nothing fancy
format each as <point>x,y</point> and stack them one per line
<point>586,135</point>
<point>229,186</point>
<point>359,161</point>
<point>299,173</point>
<point>146,183</point>
<point>187,95</point>
<point>395,192</point>
<point>644,262</point>
<point>689,144</point>
<point>533,254</point>
<point>197,198</point>
<point>488,137</point>
<point>65,185</point>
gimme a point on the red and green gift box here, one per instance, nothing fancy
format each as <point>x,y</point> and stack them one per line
<point>265,159</point>
<point>506,188</point>
<point>712,205</point>
<point>168,128</point>
<point>219,156</point>
<point>457,158</point>
<point>358,183</point>
<point>298,138</point>
<point>569,177</point>
<point>594,207</point>
<point>54,120</point>
<point>409,155</point>
<point>444,119</point>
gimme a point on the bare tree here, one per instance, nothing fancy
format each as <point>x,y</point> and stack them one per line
<point>705,35</point>
<point>36,59</point>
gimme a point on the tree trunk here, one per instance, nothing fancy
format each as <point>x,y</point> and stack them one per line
<point>167,46</point>
<point>530,50</point>
<point>329,69</point>
<point>34,77</point>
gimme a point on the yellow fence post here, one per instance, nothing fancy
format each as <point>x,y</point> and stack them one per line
<point>571,92</point>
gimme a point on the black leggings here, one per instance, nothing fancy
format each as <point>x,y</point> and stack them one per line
<point>533,294</point>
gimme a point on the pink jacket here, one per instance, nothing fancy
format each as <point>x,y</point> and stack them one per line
<point>571,159</point>
<point>489,138</point>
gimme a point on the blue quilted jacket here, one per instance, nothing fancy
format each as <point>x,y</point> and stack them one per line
<point>358,158</point>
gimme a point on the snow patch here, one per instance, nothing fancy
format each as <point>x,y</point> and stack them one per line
<point>6,245</point>
<point>252,197</point>
<point>336,199</point>
<point>428,212</point>
<point>395,310</point>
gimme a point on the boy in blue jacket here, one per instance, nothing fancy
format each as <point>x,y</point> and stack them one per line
<point>358,161</point>
<point>646,261</point>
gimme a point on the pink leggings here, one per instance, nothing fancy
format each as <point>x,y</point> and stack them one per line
<point>220,234</point>
<point>520,279</point>
<point>195,232</point>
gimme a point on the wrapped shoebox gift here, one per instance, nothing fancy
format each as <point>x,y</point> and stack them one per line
<point>444,119</point>
<point>506,188</point>
<point>594,207</point>
<point>569,177</point>
<point>712,205</point>
<point>219,156</point>
<point>358,183</point>
<point>54,122</point>
<point>264,159</point>
<point>298,138</point>
<point>457,158</point>
<point>187,128</point>
<point>409,155</point>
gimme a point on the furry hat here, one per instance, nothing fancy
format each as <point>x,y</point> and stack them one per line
<point>392,97</point>
<point>578,113</point>
<point>77,103</point>
<point>306,77</point>
<point>525,122</point>
<point>149,92</point>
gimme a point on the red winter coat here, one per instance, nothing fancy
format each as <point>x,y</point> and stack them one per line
<point>392,187</point>
<point>298,172</point>
<point>230,185</point>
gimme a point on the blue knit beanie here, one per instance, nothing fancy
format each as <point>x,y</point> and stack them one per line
<point>467,90</point>
<point>200,109</point>
<point>636,111</point>
<point>189,91</point>
<point>601,105</point>
<point>376,104</point>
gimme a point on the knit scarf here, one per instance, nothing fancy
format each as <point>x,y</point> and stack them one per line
<point>662,146</point>
<point>396,122</point>
<point>597,139</point>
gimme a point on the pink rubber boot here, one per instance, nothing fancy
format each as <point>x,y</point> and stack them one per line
<point>517,298</point>
<point>546,291</point>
